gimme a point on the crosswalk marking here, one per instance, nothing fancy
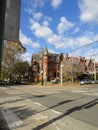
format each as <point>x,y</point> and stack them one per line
<point>13,121</point>
<point>57,112</point>
<point>37,103</point>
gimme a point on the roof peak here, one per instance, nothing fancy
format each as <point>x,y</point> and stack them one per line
<point>45,51</point>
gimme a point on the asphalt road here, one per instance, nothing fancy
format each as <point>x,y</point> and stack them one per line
<point>76,106</point>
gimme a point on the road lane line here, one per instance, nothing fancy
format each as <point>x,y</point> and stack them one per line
<point>13,121</point>
<point>37,103</point>
<point>57,112</point>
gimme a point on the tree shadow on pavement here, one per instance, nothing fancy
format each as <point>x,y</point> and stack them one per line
<point>22,99</point>
<point>3,124</point>
<point>60,103</point>
<point>74,109</point>
<point>23,112</point>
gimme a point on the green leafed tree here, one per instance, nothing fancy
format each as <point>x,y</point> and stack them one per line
<point>11,51</point>
<point>21,70</point>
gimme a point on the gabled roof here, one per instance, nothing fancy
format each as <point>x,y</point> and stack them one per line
<point>45,51</point>
<point>74,60</point>
<point>87,62</point>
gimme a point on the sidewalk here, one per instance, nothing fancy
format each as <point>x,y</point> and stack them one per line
<point>64,85</point>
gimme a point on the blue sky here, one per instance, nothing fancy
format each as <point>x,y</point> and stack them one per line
<point>62,25</point>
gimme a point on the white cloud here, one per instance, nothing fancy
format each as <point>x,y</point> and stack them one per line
<point>33,5</point>
<point>47,18</point>
<point>35,26</point>
<point>37,16</point>
<point>41,31</point>
<point>56,41</point>
<point>70,42</point>
<point>44,32</point>
<point>27,41</point>
<point>45,23</point>
<point>96,37</point>
<point>89,10</point>
<point>64,25</point>
<point>55,3</point>
<point>92,54</point>
<point>25,57</point>
<point>36,3</point>
<point>81,41</point>
<point>29,11</point>
<point>52,51</point>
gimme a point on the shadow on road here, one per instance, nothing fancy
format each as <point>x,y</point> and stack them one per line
<point>68,112</point>
<point>23,112</point>
<point>3,124</point>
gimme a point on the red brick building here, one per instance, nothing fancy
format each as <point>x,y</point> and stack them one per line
<point>45,64</point>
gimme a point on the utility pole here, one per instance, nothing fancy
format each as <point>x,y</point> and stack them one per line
<point>94,70</point>
<point>42,67</point>
<point>61,66</point>
<point>61,73</point>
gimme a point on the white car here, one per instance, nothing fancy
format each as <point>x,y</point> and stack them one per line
<point>56,80</point>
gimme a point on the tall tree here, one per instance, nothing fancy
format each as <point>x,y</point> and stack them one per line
<point>21,70</point>
<point>10,57</point>
<point>73,66</point>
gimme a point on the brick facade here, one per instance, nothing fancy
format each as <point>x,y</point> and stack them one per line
<point>47,65</point>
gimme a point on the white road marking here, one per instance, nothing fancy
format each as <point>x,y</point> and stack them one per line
<point>37,103</point>
<point>54,111</point>
<point>57,112</point>
<point>78,91</point>
<point>85,92</point>
<point>40,116</point>
<point>13,121</point>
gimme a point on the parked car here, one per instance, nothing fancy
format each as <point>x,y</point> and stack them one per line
<point>85,81</point>
<point>56,80</point>
<point>94,81</point>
